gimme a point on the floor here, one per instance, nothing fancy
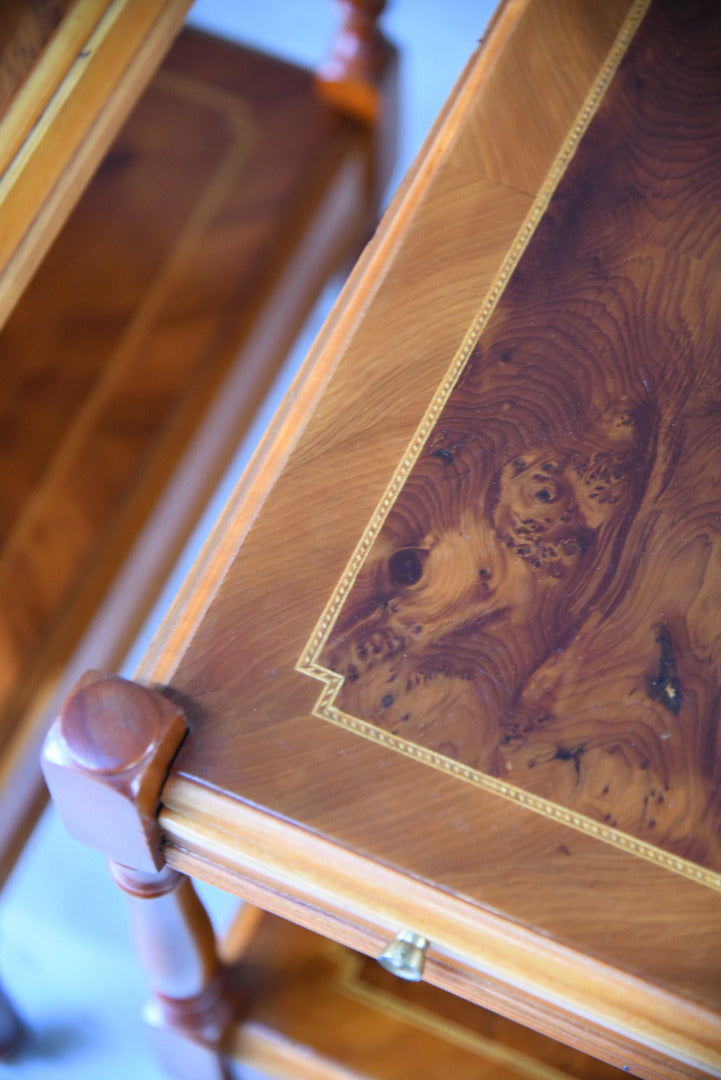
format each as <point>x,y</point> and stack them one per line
<point>65,950</point>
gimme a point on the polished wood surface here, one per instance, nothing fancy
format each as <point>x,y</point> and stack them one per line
<point>542,293</point>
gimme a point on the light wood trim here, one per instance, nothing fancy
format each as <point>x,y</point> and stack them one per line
<point>112,50</point>
<point>362,904</point>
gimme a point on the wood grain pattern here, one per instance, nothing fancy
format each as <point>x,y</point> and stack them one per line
<point>538,605</point>
<point>548,924</point>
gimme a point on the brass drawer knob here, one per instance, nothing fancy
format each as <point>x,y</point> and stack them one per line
<point>405,956</point>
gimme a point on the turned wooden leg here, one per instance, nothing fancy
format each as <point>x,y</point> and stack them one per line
<point>350,76</point>
<point>360,78</point>
<point>105,760</point>
<point>11,1028</point>
<point>191,1004</point>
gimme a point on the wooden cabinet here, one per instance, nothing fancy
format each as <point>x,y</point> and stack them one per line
<point>448,662</point>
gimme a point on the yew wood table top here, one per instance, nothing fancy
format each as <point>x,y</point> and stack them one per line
<point>451,656</point>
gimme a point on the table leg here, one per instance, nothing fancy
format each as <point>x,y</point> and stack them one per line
<point>105,761</point>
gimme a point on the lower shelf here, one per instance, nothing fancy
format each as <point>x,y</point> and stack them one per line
<point>318,1011</point>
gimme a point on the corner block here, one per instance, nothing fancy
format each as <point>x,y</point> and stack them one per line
<point>105,759</point>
